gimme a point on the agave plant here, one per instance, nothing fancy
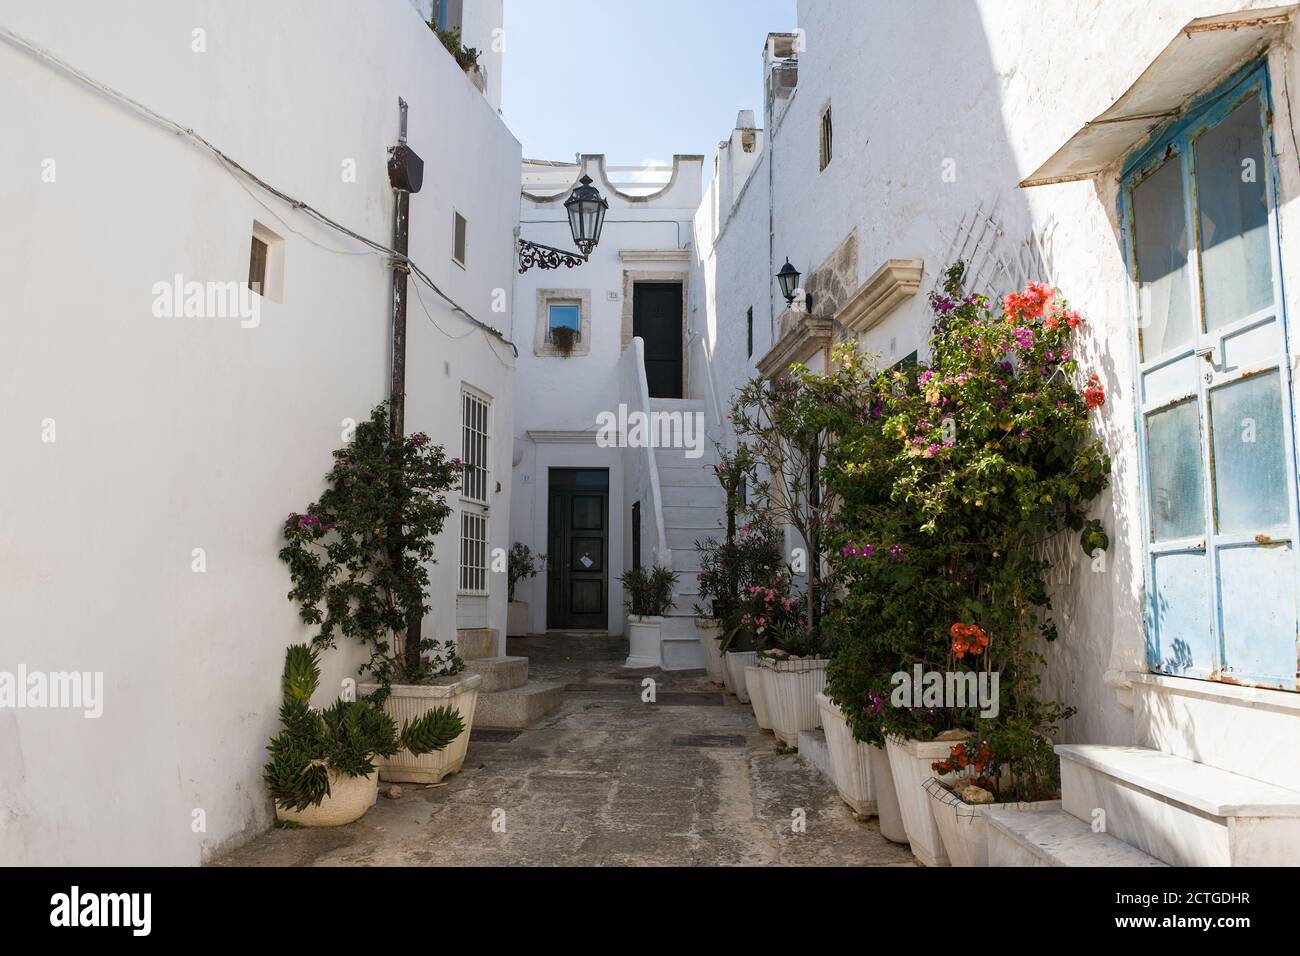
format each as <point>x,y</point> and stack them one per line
<point>344,737</point>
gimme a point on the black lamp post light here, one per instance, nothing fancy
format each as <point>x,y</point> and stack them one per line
<point>788,278</point>
<point>586,208</point>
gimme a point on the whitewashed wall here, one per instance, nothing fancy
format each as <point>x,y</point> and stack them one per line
<point>995,86</point>
<point>177,434</point>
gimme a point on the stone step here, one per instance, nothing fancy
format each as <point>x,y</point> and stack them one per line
<point>692,475</point>
<point>680,653</point>
<point>685,538</point>
<point>1054,838</point>
<point>686,562</point>
<point>695,496</point>
<point>677,405</point>
<point>1181,812</point>
<point>473,643</point>
<point>500,673</point>
<point>712,522</point>
<point>517,708</point>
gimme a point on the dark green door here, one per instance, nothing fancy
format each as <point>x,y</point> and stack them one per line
<point>578,564</point>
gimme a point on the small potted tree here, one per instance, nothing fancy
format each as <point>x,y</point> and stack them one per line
<point>321,771</point>
<point>521,564</point>
<point>649,596</point>
<point>358,558</point>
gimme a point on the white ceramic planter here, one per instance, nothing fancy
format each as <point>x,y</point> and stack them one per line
<point>517,619</point>
<point>889,815</point>
<point>349,799</point>
<point>962,826</point>
<point>909,761</point>
<point>756,686</point>
<point>850,760</point>
<point>792,687</point>
<point>735,663</point>
<point>710,632</point>
<point>644,636</point>
<point>409,702</point>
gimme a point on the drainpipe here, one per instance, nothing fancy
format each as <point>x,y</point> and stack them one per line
<point>406,176</point>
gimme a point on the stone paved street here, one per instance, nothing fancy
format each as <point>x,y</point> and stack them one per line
<point>606,780</point>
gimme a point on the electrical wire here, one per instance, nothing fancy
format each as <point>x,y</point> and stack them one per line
<point>234,167</point>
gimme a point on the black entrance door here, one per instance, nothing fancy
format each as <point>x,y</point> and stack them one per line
<point>657,319</point>
<point>578,566</point>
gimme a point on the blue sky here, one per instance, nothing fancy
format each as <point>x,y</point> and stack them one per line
<point>634,79</point>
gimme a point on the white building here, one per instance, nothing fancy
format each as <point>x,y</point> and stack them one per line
<point>151,460</point>
<point>898,139</point>
<point>598,508</point>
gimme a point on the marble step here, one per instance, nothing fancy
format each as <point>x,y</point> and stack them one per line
<point>678,474</point>
<point>1181,812</point>
<point>517,708</point>
<point>1054,838</point>
<point>500,673</point>
<point>711,521</point>
<point>695,496</point>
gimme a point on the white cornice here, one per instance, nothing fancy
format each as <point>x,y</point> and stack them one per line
<point>654,255</point>
<point>892,284</point>
<point>809,336</point>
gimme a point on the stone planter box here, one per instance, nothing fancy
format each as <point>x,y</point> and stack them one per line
<point>792,687</point>
<point>644,636</point>
<point>962,826</point>
<point>349,799</point>
<point>735,663</point>
<point>517,619</point>
<point>909,761</point>
<point>757,687</point>
<point>850,760</point>
<point>409,702</point>
<point>710,632</point>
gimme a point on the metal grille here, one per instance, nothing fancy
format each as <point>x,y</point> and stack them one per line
<point>474,446</point>
<point>473,553</point>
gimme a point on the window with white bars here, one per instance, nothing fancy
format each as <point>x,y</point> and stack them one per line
<point>473,553</point>
<point>474,446</point>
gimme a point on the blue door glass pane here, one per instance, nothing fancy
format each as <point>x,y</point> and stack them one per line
<point>1257,593</point>
<point>1174,472</point>
<point>1232,206</point>
<point>1185,635</point>
<point>1160,229</point>
<point>1250,480</point>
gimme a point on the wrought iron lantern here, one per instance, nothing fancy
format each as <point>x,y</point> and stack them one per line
<point>788,278</point>
<point>586,208</point>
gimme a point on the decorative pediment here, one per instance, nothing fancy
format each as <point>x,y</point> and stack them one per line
<point>892,284</point>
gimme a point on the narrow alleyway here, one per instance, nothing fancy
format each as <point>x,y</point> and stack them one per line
<point>606,780</point>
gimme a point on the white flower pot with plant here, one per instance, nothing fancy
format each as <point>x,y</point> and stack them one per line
<point>792,685</point>
<point>737,662</point>
<point>756,685</point>
<point>348,579</point>
<point>648,593</point>
<point>321,771</point>
<point>710,632</point>
<point>910,762</point>
<point>962,825</point>
<point>850,760</point>
<point>521,564</point>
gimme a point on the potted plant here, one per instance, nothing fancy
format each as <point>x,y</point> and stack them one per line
<point>521,564</point>
<point>719,565</point>
<point>789,428</point>
<point>564,339</point>
<point>321,771</point>
<point>358,558</point>
<point>649,596</point>
<point>950,477</point>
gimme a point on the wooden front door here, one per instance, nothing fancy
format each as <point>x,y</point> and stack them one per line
<point>578,565</point>
<point>657,321</point>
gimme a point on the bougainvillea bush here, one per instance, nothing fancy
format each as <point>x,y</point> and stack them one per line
<point>951,476</point>
<point>358,555</point>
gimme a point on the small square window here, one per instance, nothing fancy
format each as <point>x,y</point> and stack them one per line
<point>459,226</point>
<point>564,315</point>
<point>827,139</point>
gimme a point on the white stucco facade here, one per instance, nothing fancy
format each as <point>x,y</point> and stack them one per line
<point>153,460</point>
<point>939,111</point>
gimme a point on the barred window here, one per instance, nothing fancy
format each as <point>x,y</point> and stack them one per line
<point>827,138</point>
<point>473,552</point>
<point>474,446</point>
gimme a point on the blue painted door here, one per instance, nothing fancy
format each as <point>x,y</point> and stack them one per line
<point>1216,423</point>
